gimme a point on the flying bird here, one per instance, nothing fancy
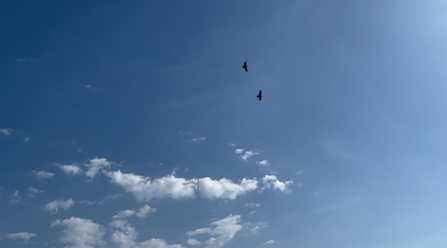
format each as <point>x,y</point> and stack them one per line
<point>245,66</point>
<point>259,95</point>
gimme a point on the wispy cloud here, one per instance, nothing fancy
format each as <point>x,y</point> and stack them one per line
<point>6,131</point>
<point>254,227</point>
<point>81,232</point>
<point>41,174</point>
<point>56,204</point>
<point>140,213</point>
<point>200,139</point>
<point>253,205</point>
<point>17,198</point>
<point>32,190</point>
<point>25,236</point>
<point>224,231</point>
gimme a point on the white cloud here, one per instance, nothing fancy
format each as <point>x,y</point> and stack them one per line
<point>298,172</point>
<point>252,213</point>
<point>225,188</point>
<point>231,144</point>
<point>6,131</point>
<point>245,155</point>
<point>26,236</point>
<point>35,191</point>
<point>70,169</point>
<point>157,243</point>
<point>114,196</point>
<point>254,227</point>
<point>194,242</point>
<point>124,213</point>
<point>252,205</point>
<point>264,162</point>
<point>81,233</point>
<point>198,139</point>
<point>89,202</point>
<point>95,165</point>
<point>144,188</point>
<point>270,181</point>
<point>125,236</point>
<point>170,186</point>
<point>145,211</point>
<point>270,242</point>
<point>17,197</point>
<point>56,204</point>
<point>42,174</point>
<point>224,231</point>
<point>26,139</point>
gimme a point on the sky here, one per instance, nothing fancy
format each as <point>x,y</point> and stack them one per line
<point>132,124</point>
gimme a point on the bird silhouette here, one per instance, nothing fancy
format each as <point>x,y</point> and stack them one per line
<point>245,66</point>
<point>259,95</point>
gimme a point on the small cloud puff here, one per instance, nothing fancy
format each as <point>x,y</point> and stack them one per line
<point>70,169</point>
<point>264,162</point>
<point>41,174</point>
<point>35,191</point>
<point>6,131</point>
<point>270,242</point>
<point>56,204</point>
<point>245,155</point>
<point>270,181</point>
<point>141,213</point>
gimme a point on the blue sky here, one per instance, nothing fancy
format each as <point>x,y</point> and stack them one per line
<point>133,124</point>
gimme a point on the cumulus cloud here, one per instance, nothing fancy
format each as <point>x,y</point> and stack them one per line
<point>56,204</point>
<point>26,139</point>
<point>6,131</point>
<point>252,205</point>
<point>70,169</point>
<point>42,174</point>
<point>225,188</point>
<point>144,188</point>
<point>270,181</point>
<point>252,213</point>
<point>245,154</point>
<point>125,236</point>
<point>264,162</point>
<point>94,165</point>
<point>222,233</point>
<point>198,139</point>
<point>270,242</point>
<point>25,236</point>
<point>17,197</point>
<point>82,233</point>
